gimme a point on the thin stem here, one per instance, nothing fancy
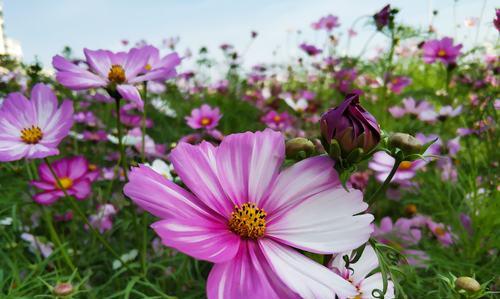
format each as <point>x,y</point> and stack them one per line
<point>387,180</point>
<point>123,159</point>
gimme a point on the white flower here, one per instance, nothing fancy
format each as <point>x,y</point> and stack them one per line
<point>162,168</point>
<point>127,257</point>
<point>6,221</point>
<point>358,273</point>
<point>163,107</point>
<point>127,140</point>
<point>36,245</point>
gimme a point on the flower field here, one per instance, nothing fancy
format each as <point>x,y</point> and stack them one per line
<point>124,175</point>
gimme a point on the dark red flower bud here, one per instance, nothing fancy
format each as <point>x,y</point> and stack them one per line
<point>382,17</point>
<point>351,126</point>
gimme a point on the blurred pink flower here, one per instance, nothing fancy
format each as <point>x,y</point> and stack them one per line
<point>204,117</point>
<point>442,50</point>
<point>277,121</point>
<point>103,220</point>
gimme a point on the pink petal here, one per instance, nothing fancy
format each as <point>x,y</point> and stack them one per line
<point>99,61</point>
<point>299,182</point>
<point>45,103</point>
<point>196,167</point>
<point>248,164</point>
<point>75,77</point>
<point>48,198</point>
<point>129,92</point>
<point>199,237</point>
<point>247,276</point>
<point>324,223</point>
<point>302,275</point>
<point>81,189</point>
<point>12,150</point>
<point>163,199</point>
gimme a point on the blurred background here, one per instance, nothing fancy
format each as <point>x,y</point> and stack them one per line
<point>36,29</point>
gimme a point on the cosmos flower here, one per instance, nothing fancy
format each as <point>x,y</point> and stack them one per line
<point>382,164</point>
<point>245,215</point>
<point>310,49</point>
<point>103,219</point>
<point>75,175</point>
<point>412,107</point>
<point>162,168</point>
<point>204,117</point>
<point>156,64</point>
<point>116,72</point>
<point>382,17</point>
<point>277,121</point>
<point>397,84</point>
<point>33,128</point>
<point>496,21</point>
<point>441,50</point>
<point>328,23</point>
<point>360,275</point>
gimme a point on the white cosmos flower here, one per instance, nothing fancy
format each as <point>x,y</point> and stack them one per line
<point>127,139</point>
<point>163,107</point>
<point>358,274</point>
<point>162,168</point>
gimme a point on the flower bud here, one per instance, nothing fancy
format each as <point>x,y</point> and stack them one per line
<point>468,284</point>
<point>407,143</point>
<point>351,126</point>
<point>63,289</point>
<point>381,18</point>
<point>294,147</point>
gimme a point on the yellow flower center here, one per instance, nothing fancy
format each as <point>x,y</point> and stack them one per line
<point>405,165</point>
<point>439,231</point>
<point>277,118</point>
<point>148,67</point>
<point>442,53</point>
<point>206,121</point>
<point>65,183</point>
<point>92,167</point>
<point>31,135</point>
<point>248,221</point>
<point>116,74</point>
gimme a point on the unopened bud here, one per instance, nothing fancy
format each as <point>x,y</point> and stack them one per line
<point>468,284</point>
<point>294,147</point>
<point>63,289</point>
<point>407,143</point>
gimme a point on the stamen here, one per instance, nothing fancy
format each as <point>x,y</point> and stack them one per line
<point>441,53</point>
<point>405,165</point>
<point>117,74</point>
<point>277,118</point>
<point>65,183</point>
<point>205,121</point>
<point>248,221</point>
<point>31,135</point>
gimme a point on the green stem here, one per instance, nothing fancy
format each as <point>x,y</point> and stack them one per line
<point>387,180</point>
<point>123,159</point>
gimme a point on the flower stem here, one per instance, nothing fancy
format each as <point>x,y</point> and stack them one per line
<point>387,180</point>
<point>123,159</point>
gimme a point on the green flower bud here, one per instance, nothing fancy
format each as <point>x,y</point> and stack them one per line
<point>299,148</point>
<point>405,142</point>
<point>468,284</point>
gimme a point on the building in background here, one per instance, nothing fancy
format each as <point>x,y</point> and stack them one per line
<point>8,46</point>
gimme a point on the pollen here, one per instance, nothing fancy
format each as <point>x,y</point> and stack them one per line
<point>65,183</point>
<point>405,165</point>
<point>205,121</point>
<point>439,231</point>
<point>248,221</point>
<point>442,53</point>
<point>148,67</point>
<point>31,135</point>
<point>116,74</point>
<point>277,118</point>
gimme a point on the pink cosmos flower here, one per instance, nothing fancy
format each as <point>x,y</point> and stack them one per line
<point>358,274</point>
<point>75,175</point>
<point>382,164</point>
<point>103,220</point>
<point>33,128</point>
<point>397,84</point>
<point>204,117</point>
<point>245,215</point>
<point>117,72</point>
<point>328,23</point>
<point>442,50</point>
<point>156,63</point>
<point>277,121</point>
<point>412,107</point>
<point>311,50</point>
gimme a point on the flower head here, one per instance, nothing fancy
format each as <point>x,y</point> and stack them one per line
<point>33,128</point>
<point>75,176</point>
<point>277,121</point>
<point>310,49</point>
<point>382,17</point>
<point>382,164</point>
<point>351,126</point>
<point>496,21</point>
<point>328,23</point>
<point>245,215</point>
<point>441,50</point>
<point>204,117</point>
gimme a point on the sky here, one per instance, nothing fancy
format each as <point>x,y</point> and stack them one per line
<point>44,27</point>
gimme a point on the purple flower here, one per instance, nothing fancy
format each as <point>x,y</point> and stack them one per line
<point>442,50</point>
<point>75,177</point>
<point>163,68</point>
<point>328,23</point>
<point>103,220</point>
<point>412,107</point>
<point>344,80</point>
<point>33,128</point>
<point>351,126</point>
<point>277,121</point>
<point>310,49</point>
<point>496,21</point>
<point>382,17</point>
<point>397,84</point>
<point>117,72</point>
<point>382,164</point>
<point>204,117</point>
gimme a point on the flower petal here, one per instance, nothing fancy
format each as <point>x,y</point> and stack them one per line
<point>130,92</point>
<point>302,275</point>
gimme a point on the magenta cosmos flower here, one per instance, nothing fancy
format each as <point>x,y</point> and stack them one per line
<point>310,49</point>
<point>328,23</point>
<point>382,165</point>
<point>277,121</point>
<point>75,175</point>
<point>442,50</point>
<point>117,72</point>
<point>246,216</point>
<point>33,128</point>
<point>204,117</point>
